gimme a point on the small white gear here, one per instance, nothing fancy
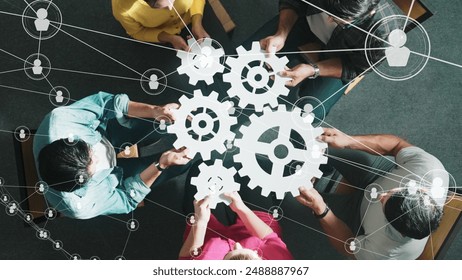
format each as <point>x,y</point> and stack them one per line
<point>310,155</point>
<point>202,124</point>
<point>214,181</point>
<point>254,77</point>
<point>202,62</point>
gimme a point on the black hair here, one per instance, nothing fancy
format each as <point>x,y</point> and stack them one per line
<point>409,214</point>
<point>60,164</point>
<point>356,10</point>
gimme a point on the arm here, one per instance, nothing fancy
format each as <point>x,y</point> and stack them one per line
<point>251,221</point>
<point>196,12</point>
<point>287,19</point>
<point>336,230</point>
<point>196,236</point>
<point>143,110</point>
<point>327,68</point>
<point>383,144</point>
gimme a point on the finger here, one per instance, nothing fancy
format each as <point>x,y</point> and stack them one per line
<point>205,201</point>
<point>263,43</point>
<point>172,106</point>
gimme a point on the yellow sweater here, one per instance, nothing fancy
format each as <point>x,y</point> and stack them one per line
<point>145,23</point>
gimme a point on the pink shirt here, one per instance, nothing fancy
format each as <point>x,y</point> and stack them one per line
<point>220,239</point>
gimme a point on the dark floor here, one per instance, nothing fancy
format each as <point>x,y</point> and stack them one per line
<point>425,110</point>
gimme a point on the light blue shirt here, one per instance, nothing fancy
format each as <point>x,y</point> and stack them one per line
<point>106,192</point>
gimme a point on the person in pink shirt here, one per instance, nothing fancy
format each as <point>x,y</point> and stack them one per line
<point>254,236</point>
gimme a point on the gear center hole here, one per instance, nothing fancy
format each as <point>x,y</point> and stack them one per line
<point>281,151</point>
<point>258,77</point>
<point>202,124</point>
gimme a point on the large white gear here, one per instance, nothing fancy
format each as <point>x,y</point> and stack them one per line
<point>202,62</point>
<point>214,181</point>
<point>259,72</point>
<point>202,124</point>
<point>310,155</point>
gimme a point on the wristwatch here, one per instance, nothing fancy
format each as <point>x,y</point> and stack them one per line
<point>323,214</point>
<point>157,165</point>
<point>316,71</point>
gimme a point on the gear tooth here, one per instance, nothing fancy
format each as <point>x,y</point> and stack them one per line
<point>323,160</point>
<point>266,110</point>
<point>317,131</point>
<point>197,93</point>
<point>203,167</point>
<point>256,46</point>
<point>194,181</point>
<point>209,80</point>
<point>240,50</point>
<point>258,107</point>
<point>296,111</point>
<point>251,185</point>
<point>218,162</point>
<point>214,95</point>
<point>317,173</point>
<point>284,60</point>
<point>265,192</point>
<point>183,99</point>
<point>280,195</point>
<point>205,156</point>
<point>242,103</point>
<point>193,81</point>
<point>281,108</point>
<point>295,192</point>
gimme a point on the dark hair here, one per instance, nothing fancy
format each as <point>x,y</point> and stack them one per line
<point>409,215</point>
<point>60,163</point>
<point>351,9</point>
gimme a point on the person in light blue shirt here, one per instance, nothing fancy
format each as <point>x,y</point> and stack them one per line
<point>75,155</point>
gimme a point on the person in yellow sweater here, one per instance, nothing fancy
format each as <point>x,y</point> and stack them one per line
<point>160,21</point>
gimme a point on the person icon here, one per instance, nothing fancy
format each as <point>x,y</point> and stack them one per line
<point>437,189</point>
<point>42,23</point>
<point>307,115</point>
<point>41,233</point>
<point>45,234</point>
<point>192,220</point>
<point>153,83</point>
<point>28,218</point>
<point>206,59</point>
<point>5,198</point>
<point>22,133</point>
<point>316,151</point>
<point>37,69</point>
<point>195,252</point>
<point>75,258</point>
<point>275,214</point>
<point>397,55</point>
<point>50,213</point>
<point>352,246</point>
<point>81,179</point>
<point>71,138</point>
<point>162,125</point>
<point>231,109</point>
<point>132,225</point>
<point>127,151</point>
<point>132,193</point>
<point>412,187</point>
<point>11,210</point>
<point>57,245</point>
<point>374,193</point>
<point>41,188</point>
<point>59,96</point>
<point>229,144</point>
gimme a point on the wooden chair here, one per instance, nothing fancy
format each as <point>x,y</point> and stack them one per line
<point>222,15</point>
<point>440,240</point>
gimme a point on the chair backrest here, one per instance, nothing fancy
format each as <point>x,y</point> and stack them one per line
<point>27,177</point>
<point>440,240</point>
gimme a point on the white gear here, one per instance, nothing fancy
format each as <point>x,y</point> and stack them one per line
<point>202,124</point>
<point>311,154</point>
<point>214,181</point>
<point>202,62</point>
<point>261,88</point>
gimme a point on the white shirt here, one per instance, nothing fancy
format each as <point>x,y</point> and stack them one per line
<point>321,26</point>
<point>105,153</point>
<point>380,239</point>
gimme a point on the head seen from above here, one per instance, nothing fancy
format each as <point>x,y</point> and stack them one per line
<point>161,4</point>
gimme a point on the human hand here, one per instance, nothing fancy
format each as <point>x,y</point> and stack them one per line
<point>174,157</point>
<point>164,112</point>
<point>297,74</point>
<point>178,43</point>
<point>312,199</point>
<point>237,205</point>
<point>335,138</point>
<point>202,210</point>
<point>199,32</point>
<point>272,44</point>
